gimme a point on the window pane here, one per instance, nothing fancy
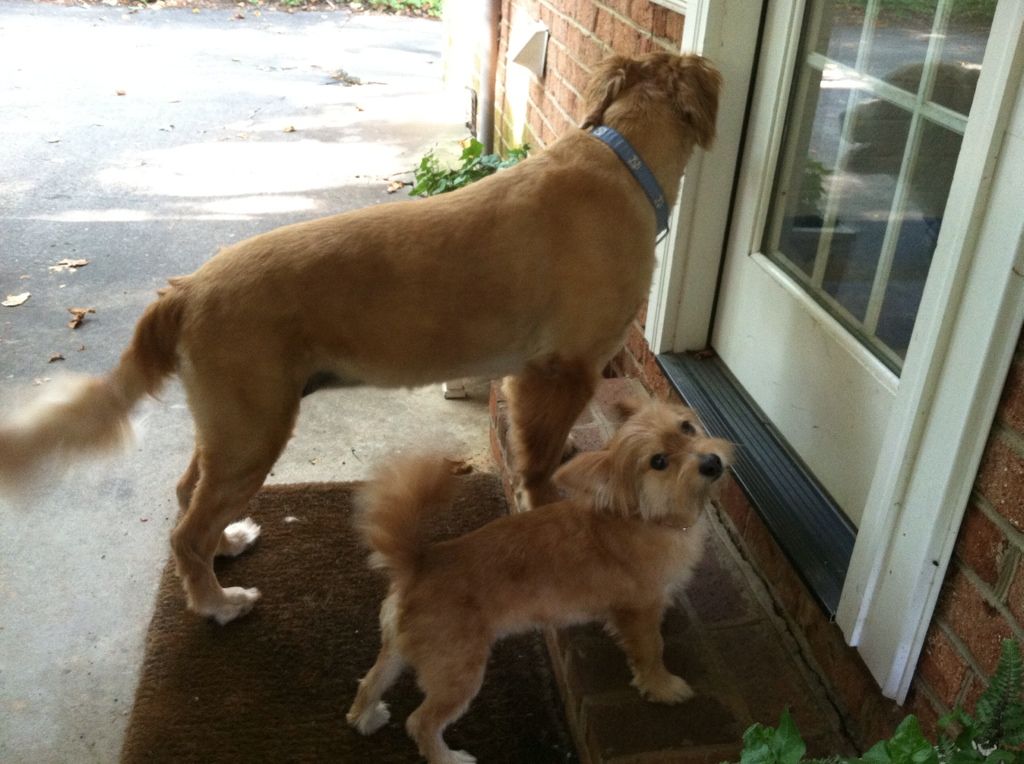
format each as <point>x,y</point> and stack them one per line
<point>872,138</point>
<point>969,23</point>
<point>817,144</point>
<point>919,233</point>
<point>834,30</point>
<point>900,33</point>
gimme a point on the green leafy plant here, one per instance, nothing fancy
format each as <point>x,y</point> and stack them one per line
<point>777,745</point>
<point>423,7</point>
<point>993,735</point>
<point>908,745</point>
<point>434,177</point>
<point>998,721</point>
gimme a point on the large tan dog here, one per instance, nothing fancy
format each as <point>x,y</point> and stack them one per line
<point>617,551</point>
<point>535,271</point>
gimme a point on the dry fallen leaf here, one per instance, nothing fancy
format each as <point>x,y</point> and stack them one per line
<point>78,316</point>
<point>56,357</point>
<point>67,264</point>
<point>345,78</point>
<point>14,300</point>
<point>290,129</point>
<point>395,185</point>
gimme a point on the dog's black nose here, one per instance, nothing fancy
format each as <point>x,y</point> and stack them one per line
<point>710,465</point>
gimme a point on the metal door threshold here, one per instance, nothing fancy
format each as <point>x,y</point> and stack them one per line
<point>807,524</point>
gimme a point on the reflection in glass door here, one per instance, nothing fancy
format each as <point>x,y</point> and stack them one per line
<point>878,111</point>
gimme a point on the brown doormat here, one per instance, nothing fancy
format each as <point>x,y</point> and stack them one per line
<point>275,685</point>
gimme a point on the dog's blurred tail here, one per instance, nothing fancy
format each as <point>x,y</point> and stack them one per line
<point>79,415</point>
<point>395,509</point>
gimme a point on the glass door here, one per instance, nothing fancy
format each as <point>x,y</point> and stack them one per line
<point>841,201</point>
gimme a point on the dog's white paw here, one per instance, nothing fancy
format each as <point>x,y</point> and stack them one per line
<point>235,602</point>
<point>370,720</point>
<point>665,689</point>
<point>238,537</point>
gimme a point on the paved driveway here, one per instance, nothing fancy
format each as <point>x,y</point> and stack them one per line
<point>141,142</point>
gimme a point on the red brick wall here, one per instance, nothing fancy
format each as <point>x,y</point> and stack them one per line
<point>982,601</point>
<point>582,33</point>
<point>983,596</point>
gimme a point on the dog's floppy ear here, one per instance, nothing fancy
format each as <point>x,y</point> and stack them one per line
<point>695,89</point>
<point>589,473</point>
<point>609,79</point>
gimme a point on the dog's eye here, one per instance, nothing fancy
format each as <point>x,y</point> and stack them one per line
<point>659,462</point>
<point>688,428</point>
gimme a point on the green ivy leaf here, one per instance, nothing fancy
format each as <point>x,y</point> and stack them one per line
<point>764,745</point>
<point>472,150</point>
<point>994,735</point>
<point>877,754</point>
<point>432,179</point>
<point>908,745</point>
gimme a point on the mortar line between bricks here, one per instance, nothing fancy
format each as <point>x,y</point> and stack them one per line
<point>558,106</point>
<point>1007,573</point>
<point>925,689</point>
<point>733,624</point>
<point>540,112</point>
<point>1011,437</point>
<point>574,715</point>
<point>733,696</point>
<point>586,32</point>
<point>961,647</point>
<point>569,86</point>
<point>626,20</point>
<point>782,621</point>
<point>1014,536</point>
<point>989,596</point>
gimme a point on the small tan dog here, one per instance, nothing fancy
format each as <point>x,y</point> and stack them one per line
<point>616,551</point>
<point>535,271</point>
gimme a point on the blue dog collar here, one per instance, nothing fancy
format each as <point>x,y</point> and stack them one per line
<point>640,171</point>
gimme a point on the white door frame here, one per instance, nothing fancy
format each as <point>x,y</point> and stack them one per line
<point>683,291</point>
<point>970,317</point>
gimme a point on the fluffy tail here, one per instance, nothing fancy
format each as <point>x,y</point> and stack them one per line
<point>395,509</point>
<point>81,415</point>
